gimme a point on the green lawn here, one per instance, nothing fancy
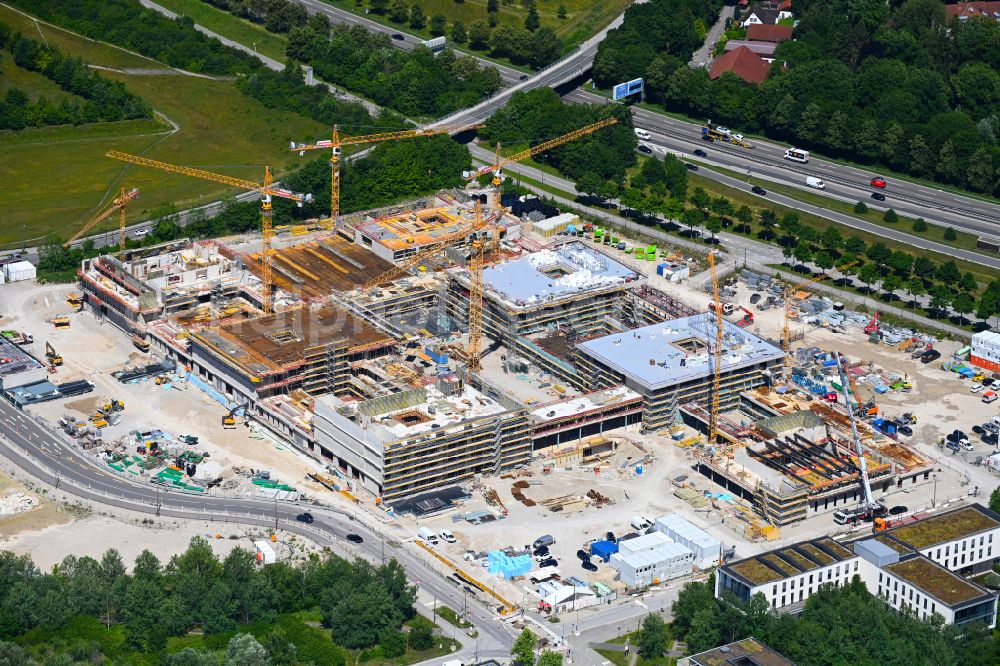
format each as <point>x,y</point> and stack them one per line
<point>57,178</point>
<point>583,19</point>
<point>229,26</point>
<point>620,659</point>
<point>935,232</point>
<point>33,84</point>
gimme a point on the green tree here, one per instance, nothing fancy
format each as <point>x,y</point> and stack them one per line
<point>523,650</point>
<point>421,636</point>
<point>823,260</point>
<point>704,633</point>
<point>901,262</point>
<point>542,48</point>
<point>479,34</point>
<point>968,282</point>
<point>980,172</point>
<point>398,11</point>
<point>458,34</point>
<point>915,287</point>
<point>924,268</point>
<point>940,297</point>
<point>947,164</point>
<point>861,208</point>
<point>561,13</point>
<point>113,581</point>
<point>244,650</point>
<point>963,304</point>
<point>920,225</point>
<point>890,216</point>
<point>692,218</point>
<point>988,305</point>
<point>417,17</point>
<point>531,21</point>
<point>654,637</point>
<point>438,24</point>
<point>920,156</point>
<point>393,644</point>
<point>891,283</point>
<point>549,658</point>
<point>948,273</point>
<point>892,142</point>
<point>713,225</point>
<point>692,598</point>
<point>745,216</point>
<point>282,651</point>
<point>869,274</point>
<point>378,6</point>
<point>831,238</point>
<point>949,234</point>
<point>493,6</point>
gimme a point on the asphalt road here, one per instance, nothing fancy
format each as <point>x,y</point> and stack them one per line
<point>45,455</point>
<point>766,160</point>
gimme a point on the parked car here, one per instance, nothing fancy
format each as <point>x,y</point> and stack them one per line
<point>988,381</point>
<point>878,181</point>
<point>583,555</point>
<point>757,189</point>
<point>897,510</point>
<point>698,152</point>
<point>979,430</point>
<point>355,538</point>
<point>878,196</point>
<point>930,356</point>
<point>976,388</point>
<point>589,566</point>
<point>989,439</point>
<point>643,148</point>
<point>551,562</point>
<point>968,446</point>
<point>905,430</point>
<point>304,517</point>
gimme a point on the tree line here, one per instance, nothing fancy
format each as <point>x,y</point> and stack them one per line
<point>128,24</point>
<point>275,15</point>
<point>360,606</point>
<point>288,90</point>
<point>414,83</point>
<point>539,115</point>
<point>102,100</point>
<point>839,625</point>
<point>887,84</point>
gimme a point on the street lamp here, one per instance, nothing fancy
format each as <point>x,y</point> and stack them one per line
<point>934,503</point>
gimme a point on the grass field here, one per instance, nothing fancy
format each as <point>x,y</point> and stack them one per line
<point>32,83</point>
<point>583,19</point>
<point>57,178</point>
<point>229,26</point>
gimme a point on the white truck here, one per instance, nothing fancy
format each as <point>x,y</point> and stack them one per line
<point>815,182</point>
<point>428,536</point>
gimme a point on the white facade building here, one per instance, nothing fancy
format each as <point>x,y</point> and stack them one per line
<point>705,547</point>
<point>650,558</point>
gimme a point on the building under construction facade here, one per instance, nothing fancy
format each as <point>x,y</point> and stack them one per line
<point>426,438</point>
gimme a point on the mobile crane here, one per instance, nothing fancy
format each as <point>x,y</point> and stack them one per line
<point>869,509</point>
<point>336,142</point>
<point>118,204</point>
<point>267,189</point>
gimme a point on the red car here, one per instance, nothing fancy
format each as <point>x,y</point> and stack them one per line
<point>878,181</point>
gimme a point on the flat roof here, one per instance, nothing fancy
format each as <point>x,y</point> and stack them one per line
<point>789,561</point>
<point>553,274</point>
<point>935,580</point>
<point>650,556</point>
<point>744,653</point>
<point>270,343</point>
<point>678,350</point>
<point>15,360</point>
<point>416,228</point>
<point>583,403</point>
<point>688,530</point>
<point>439,411</point>
<point>948,526</point>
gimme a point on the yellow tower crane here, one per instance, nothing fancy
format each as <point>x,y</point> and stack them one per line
<point>789,292</point>
<point>118,204</point>
<point>500,162</point>
<point>267,190</point>
<point>336,142</point>
<point>713,414</point>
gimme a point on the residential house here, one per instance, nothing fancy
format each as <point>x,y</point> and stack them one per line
<point>769,33</point>
<point>966,10</point>
<point>761,13</point>
<point>742,62</point>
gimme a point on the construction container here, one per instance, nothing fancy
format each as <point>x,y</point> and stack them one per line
<point>19,271</point>
<point>661,269</point>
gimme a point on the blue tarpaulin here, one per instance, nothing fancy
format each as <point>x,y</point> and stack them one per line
<point>603,549</point>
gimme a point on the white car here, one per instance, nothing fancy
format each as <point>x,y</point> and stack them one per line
<point>722,130</point>
<point>967,446</point>
<point>139,233</point>
<point>976,388</point>
<point>738,137</point>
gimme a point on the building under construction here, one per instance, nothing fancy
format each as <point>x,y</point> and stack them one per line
<point>792,459</point>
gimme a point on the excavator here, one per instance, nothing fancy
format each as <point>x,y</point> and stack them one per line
<point>53,356</point>
<point>229,420</point>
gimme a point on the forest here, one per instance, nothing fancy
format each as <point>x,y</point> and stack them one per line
<point>414,83</point>
<point>88,610</point>
<point>894,85</point>
<point>127,24</point>
<point>102,100</point>
<point>839,625</point>
<point>539,115</point>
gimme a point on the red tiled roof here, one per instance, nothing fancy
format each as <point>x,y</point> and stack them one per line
<point>785,6</point>
<point>769,33</point>
<point>742,62</point>
<point>970,9</point>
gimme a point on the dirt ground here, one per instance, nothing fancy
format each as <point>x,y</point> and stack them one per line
<point>92,350</point>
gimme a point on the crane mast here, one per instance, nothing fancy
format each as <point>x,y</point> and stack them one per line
<point>476,290</point>
<point>870,503</point>
<point>713,414</point>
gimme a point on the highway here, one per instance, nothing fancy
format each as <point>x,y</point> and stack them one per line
<point>44,454</point>
<point>766,160</point>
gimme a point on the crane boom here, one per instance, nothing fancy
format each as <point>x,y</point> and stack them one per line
<point>713,415</point>
<point>335,142</point>
<point>119,203</point>
<point>862,465</point>
<point>267,189</point>
<point>542,147</point>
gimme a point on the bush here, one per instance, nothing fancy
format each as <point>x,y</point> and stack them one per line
<point>919,225</point>
<point>992,580</point>
<point>890,216</point>
<point>393,644</point>
<point>421,634</point>
<point>950,235</point>
<point>860,208</point>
